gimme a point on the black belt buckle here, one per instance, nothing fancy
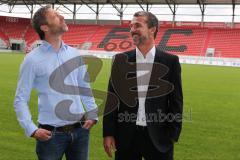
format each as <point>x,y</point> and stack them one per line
<point>67,128</point>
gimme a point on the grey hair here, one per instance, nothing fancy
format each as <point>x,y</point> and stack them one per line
<point>152,20</point>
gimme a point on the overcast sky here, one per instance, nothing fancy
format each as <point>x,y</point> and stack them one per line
<point>214,13</point>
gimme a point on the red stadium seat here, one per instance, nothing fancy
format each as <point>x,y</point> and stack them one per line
<point>187,40</point>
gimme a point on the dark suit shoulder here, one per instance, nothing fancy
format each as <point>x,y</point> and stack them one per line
<point>127,53</point>
<point>125,56</point>
<point>168,56</point>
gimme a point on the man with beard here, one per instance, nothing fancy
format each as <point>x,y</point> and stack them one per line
<point>65,117</point>
<point>147,81</point>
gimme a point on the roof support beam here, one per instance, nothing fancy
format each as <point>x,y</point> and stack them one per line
<point>62,4</point>
<point>233,9</point>
<point>173,9</point>
<point>113,3</point>
<point>169,3</point>
<point>37,3</point>
<point>140,2</point>
<point>121,14</point>
<point>75,10</point>
<point>67,8</point>
<point>202,7</point>
<point>74,13</point>
<point>30,7</point>
<point>87,4</point>
<point>148,7</point>
<point>119,10</point>
<point>97,13</point>
<point>11,6</point>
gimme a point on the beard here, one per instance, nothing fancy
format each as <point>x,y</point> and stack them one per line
<point>59,29</point>
<point>138,39</point>
<point>65,27</point>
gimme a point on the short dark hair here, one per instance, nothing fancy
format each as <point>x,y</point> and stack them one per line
<point>152,20</point>
<point>39,19</point>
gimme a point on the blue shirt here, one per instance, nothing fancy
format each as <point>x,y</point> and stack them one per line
<point>35,71</point>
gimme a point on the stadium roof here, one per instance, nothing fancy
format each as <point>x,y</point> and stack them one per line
<point>29,2</point>
<point>118,5</point>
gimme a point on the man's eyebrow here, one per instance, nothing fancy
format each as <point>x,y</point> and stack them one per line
<point>137,23</point>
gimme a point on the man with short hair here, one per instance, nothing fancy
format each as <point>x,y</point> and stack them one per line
<point>147,81</point>
<point>66,107</point>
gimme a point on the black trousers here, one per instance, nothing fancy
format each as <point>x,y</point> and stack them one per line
<point>142,147</point>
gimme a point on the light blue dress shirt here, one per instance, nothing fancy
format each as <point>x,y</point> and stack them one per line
<point>35,71</point>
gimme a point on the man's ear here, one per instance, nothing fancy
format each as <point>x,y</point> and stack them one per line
<point>44,28</point>
<point>153,29</point>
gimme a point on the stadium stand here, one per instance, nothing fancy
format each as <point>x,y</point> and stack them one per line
<point>226,42</point>
<point>190,39</point>
<point>4,39</point>
<point>78,34</point>
<point>30,37</point>
<point>14,28</point>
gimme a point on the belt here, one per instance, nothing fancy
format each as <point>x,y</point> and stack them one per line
<point>141,127</point>
<point>66,128</point>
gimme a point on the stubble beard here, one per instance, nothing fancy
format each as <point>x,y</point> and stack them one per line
<point>138,40</point>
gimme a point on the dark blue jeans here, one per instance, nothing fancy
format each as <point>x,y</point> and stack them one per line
<point>74,145</point>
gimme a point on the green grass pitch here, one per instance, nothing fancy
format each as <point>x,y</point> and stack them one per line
<point>211,127</point>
